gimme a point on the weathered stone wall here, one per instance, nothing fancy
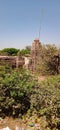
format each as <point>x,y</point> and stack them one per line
<point>13,61</point>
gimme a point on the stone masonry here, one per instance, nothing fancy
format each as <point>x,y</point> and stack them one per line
<point>12,61</point>
<point>35,56</point>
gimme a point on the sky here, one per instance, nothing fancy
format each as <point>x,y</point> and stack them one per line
<point>22,20</point>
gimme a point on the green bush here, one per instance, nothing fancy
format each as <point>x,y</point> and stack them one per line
<point>15,88</point>
<point>20,93</point>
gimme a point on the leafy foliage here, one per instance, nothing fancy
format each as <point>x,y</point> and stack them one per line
<point>25,52</point>
<point>20,93</point>
<point>14,92</point>
<point>9,51</point>
<point>48,65</point>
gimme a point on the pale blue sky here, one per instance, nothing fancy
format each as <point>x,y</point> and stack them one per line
<point>20,21</point>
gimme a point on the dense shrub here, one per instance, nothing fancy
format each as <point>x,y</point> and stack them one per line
<point>15,88</point>
<point>20,92</point>
<point>49,64</point>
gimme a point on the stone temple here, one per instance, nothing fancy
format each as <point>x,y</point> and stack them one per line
<point>35,56</point>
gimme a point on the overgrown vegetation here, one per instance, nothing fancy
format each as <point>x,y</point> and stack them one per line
<point>49,62</point>
<point>21,94</point>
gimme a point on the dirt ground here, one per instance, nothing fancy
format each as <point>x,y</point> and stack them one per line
<point>15,124</point>
<point>18,124</point>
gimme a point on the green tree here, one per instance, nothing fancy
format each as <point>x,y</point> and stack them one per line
<point>10,51</point>
<point>25,51</point>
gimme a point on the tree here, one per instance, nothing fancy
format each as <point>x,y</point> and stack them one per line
<point>25,52</point>
<point>10,51</point>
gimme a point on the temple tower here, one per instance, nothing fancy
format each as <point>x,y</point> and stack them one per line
<point>36,55</point>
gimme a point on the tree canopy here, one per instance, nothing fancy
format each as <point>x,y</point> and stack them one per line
<point>9,51</point>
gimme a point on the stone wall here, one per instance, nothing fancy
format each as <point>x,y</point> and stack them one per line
<point>12,61</point>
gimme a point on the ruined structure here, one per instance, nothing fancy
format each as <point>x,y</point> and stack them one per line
<point>32,62</point>
<point>12,61</point>
<point>36,56</point>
